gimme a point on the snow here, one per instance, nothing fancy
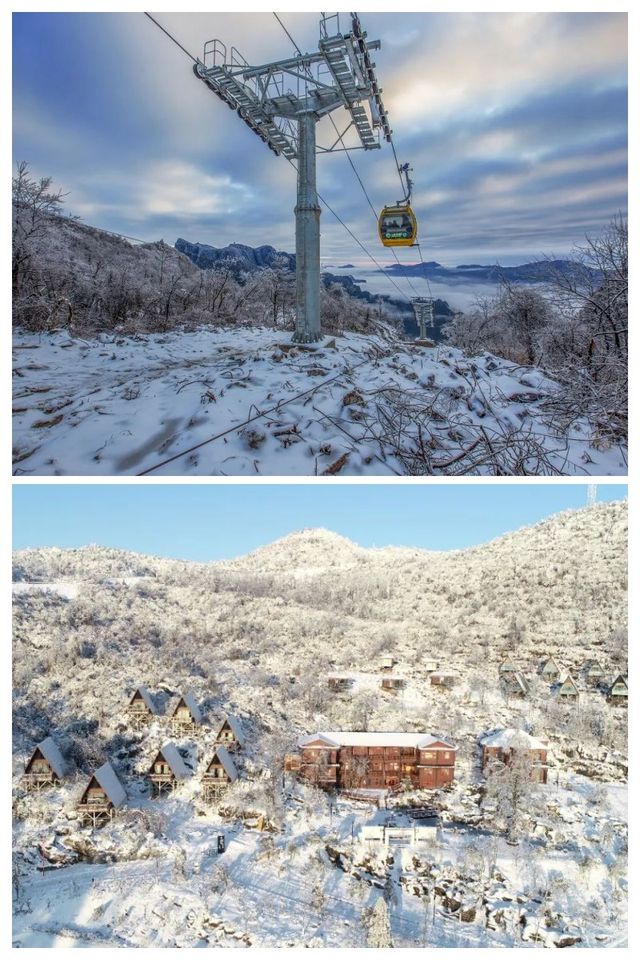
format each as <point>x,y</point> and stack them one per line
<point>510,736</point>
<point>178,767</point>
<point>227,762</point>
<point>108,780</point>
<point>51,752</point>
<point>147,698</point>
<point>236,728</point>
<point>68,590</point>
<point>344,738</point>
<point>121,405</point>
<point>194,709</point>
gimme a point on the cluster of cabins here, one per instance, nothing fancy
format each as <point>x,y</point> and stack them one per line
<point>388,680</point>
<point>564,684</point>
<point>104,793</point>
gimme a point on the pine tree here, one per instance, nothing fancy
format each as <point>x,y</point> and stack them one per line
<point>379,926</point>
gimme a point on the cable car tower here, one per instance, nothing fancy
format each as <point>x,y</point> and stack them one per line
<point>423,309</point>
<point>282,102</point>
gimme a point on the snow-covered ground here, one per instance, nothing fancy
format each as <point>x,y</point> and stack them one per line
<point>352,405</point>
<point>311,882</point>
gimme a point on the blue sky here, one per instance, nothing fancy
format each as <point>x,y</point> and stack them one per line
<point>214,521</point>
<point>515,125</point>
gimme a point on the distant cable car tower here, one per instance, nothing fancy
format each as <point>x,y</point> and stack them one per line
<point>423,309</point>
<point>282,103</point>
<point>592,494</point>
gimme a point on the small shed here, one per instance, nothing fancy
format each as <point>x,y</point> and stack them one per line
<point>46,767</point>
<point>594,673</point>
<point>550,669</point>
<point>430,665</point>
<point>167,770</point>
<point>229,733</point>
<point>568,689</point>
<point>392,683</point>
<point>186,717</point>
<point>141,708</point>
<point>220,773</point>
<point>618,692</point>
<point>339,682</point>
<point>507,666</point>
<point>514,685</point>
<point>445,680</point>
<point>387,661</point>
<point>102,797</point>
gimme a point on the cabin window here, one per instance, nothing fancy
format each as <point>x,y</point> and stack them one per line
<point>40,766</point>
<point>162,767</point>
<point>446,755</point>
<point>428,755</point>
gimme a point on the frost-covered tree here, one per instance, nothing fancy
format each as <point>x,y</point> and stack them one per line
<point>378,925</point>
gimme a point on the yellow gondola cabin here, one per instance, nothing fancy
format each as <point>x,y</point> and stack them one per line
<point>397,226</point>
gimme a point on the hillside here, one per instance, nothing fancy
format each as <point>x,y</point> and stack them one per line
<point>256,636</point>
<point>359,404</point>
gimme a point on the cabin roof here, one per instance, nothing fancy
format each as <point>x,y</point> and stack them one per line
<point>569,682</point>
<point>551,661</point>
<point>177,765</point>
<point>51,752</point>
<point>108,780</point>
<point>347,738</point>
<point>222,754</point>
<point>146,696</point>
<point>511,737</point>
<point>235,727</point>
<point>192,705</point>
<point>515,680</point>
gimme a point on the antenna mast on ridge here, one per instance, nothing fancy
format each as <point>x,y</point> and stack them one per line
<point>282,102</point>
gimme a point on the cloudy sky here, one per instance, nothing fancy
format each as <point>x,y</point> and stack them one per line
<point>515,124</point>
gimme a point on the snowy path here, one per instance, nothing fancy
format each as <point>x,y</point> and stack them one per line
<point>123,406</point>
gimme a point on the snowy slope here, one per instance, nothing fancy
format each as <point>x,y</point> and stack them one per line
<point>251,638</point>
<point>354,405</point>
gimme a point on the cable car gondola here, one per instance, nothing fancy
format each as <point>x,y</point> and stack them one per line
<point>397,224</point>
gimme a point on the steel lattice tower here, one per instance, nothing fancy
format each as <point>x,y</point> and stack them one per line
<point>282,102</point>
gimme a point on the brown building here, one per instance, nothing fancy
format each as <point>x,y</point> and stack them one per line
<point>502,745</point>
<point>141,708</point>
<point>392,683</point>
<point>45,768</point>
<point>220,773</point>
<point>167,770</point>
<point>353,760</point>
<point>186,718</point>
<point>442,679</point>
<point>102,797</point>
<point>618,692</point>
<point>229,734</point>
<point>339,683</point>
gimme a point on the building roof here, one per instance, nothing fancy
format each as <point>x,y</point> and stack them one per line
<point>51,752</point>
<point>550,661</point>
<point>108,780</point>
<point>515,681</point>
<point>178,767</point>
<point>569,682</point>
<point>619,679</point>
<point>511,737</point>
<point>190,702</point>
<point>225,759</point>
<point>347,738</point>
<point>146,696</point>
<point>235,727</point>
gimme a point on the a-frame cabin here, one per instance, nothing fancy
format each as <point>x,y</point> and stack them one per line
<point>220,773</point>
<point>45,768</point>
<point>103,795</point>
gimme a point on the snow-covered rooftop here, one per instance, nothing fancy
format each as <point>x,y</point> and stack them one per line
<point>51,752</point>
<point>190,702</point>
<point>108,780</point>
<point>347,738</point>
<point>235,727</point>
<point>511,737</point>
<point>178,767</point>
<point>146,696</point>
<point>225,759</point>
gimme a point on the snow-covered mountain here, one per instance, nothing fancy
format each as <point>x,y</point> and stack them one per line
<point>256,636</point>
